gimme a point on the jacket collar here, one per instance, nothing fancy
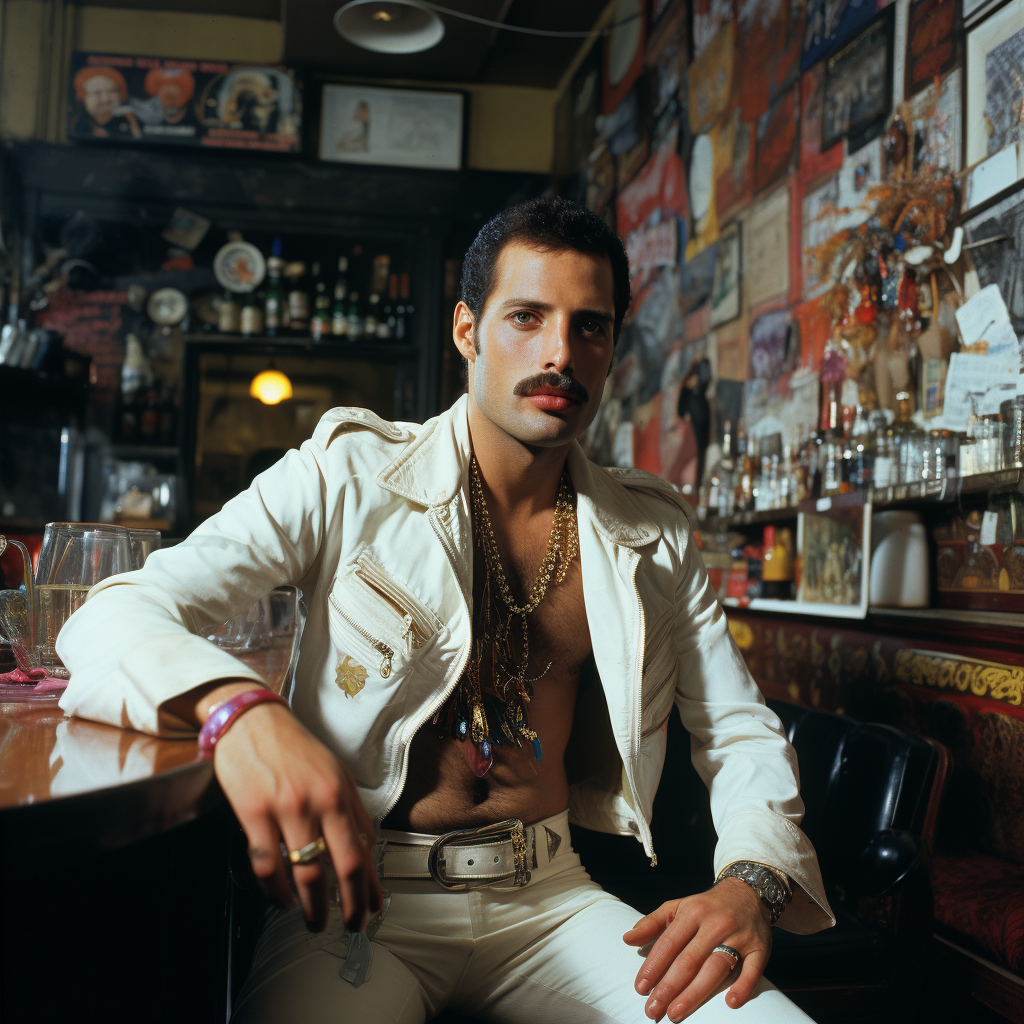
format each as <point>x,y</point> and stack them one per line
<point>434,467</point>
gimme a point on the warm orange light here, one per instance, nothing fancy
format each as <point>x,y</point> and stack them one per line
<point>270,387</point>
<point>381,16</point>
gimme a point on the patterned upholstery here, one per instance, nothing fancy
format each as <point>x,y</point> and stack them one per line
<point>982,898</point>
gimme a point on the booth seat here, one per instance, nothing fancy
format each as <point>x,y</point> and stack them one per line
<point>963,686</point>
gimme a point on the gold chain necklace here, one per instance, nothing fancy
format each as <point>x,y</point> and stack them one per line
<point>499,715</point>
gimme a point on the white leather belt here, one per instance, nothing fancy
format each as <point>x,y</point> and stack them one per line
<point>500,854</point>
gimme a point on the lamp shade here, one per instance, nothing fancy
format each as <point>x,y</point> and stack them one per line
<point>389,26</point>
<point>270,387</point>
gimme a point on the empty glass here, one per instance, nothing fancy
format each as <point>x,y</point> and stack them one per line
<point>144,543</point>
<point>267,635</point>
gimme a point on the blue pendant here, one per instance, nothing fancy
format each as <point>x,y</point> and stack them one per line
<point>462,728</point>
<point>485,749</point>
<point>537,753</point>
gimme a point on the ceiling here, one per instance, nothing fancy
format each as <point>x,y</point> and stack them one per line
<point>468,53</point>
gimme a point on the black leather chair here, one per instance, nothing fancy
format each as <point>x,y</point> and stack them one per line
<point>872,794</point>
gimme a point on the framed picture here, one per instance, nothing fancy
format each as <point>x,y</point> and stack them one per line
<point>858,83</point>
<point>725,292</point>
<point>117,98</point>
<point>392,127</point>
<point>834,545</point>
<point>931,42</point>
<point>994,94</point>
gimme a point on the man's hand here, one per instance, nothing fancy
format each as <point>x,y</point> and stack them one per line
<point>681,972</point>
<point>284,784</point>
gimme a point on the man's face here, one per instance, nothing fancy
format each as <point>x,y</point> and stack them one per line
<point>101,98</point>
<point>541,350</point>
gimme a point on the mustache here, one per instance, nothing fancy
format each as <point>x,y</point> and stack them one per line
<point>552,380</point>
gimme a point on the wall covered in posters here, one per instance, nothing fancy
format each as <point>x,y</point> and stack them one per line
<point>792,180</point>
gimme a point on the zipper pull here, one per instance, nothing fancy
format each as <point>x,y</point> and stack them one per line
<point>385,664</point>
<point>411,633</point>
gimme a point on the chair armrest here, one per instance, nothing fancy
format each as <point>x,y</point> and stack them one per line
<point>886,861</point>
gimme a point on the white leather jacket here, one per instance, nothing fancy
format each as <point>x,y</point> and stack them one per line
<point>371,520</point>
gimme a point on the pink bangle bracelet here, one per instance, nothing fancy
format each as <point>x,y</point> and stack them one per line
<point>225,713</point>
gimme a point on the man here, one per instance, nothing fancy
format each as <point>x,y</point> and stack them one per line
<point>102,94</point>
<point>446,685</point>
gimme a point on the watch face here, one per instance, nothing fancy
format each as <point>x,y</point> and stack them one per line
<point>167,307</point>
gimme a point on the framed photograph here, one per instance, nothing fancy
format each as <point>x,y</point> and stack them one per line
<point>994,94</point>
<point>725,292</point>
<point>834,546</point>
<point>117,98</point>
<point>858,82</point>
<point>392,127</point>
<point>997,240</point>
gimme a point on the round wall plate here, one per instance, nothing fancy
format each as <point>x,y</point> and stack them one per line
<point>167,306</point>
<point>239,266</point>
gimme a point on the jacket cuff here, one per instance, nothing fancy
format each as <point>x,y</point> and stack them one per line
<point>770,839</point>
<point>148,675</point>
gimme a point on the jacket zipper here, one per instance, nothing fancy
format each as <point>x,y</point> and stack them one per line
<point>417,629</point>
<point>386,653</point>
<point>645,832</point>
<point>456,676</point>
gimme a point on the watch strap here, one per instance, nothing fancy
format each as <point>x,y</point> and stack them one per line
<point>771,885</point>
<point>223,716</point>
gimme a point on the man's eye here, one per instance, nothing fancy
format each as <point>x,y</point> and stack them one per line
<point>591,327</point>
<point>523,317</point>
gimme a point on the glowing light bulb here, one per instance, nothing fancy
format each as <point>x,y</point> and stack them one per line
<point>380,16</point>
<point>270,387</point>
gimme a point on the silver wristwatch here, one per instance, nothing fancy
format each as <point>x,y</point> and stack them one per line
<point>774,893</point>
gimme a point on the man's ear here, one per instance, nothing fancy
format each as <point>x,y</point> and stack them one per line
<point>464,332</point>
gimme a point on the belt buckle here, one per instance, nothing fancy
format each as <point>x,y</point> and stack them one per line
<point>510,830</point>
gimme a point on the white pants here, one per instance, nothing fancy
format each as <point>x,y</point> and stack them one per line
<point>551,951</point>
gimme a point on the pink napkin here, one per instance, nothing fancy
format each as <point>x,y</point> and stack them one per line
<point>44,684</point>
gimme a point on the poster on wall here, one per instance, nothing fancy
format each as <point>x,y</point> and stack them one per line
<point>931,42</point>
<point>995,97</point>
<point>118,98</point>
<point>830,23</point>
<point>392,127</point>
<point>623,53</point>
<point>858,82</point>
<point>725,293</point>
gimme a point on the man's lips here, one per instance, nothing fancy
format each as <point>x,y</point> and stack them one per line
<point>552,399</point>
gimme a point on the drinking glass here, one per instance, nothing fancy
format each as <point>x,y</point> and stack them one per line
<point>144,543</point>
<point>73,559</point>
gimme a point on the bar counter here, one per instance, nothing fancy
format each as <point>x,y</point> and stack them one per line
<point>115,881</point>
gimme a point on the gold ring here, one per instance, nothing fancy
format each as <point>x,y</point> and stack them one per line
<point>308,853</point>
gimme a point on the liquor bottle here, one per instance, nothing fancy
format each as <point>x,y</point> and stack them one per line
<point>372,317</point>
<point>251,321</point>
<point>744,473</point>
<point>405,313</point>
<point>724,472</point>
<point>355,321</point>
<point>386,327</point>
<point>339,314</point>
<point>320,324</point>
<point>228,314</point>
<point>298,297</point>
<point>777,566</point>
<point>900,437</point>
<point>274,298</point>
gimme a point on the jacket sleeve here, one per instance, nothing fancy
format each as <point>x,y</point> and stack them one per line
<point>133,644</point>
<point>740,750</point>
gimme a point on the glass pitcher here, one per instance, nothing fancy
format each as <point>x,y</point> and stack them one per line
<point>73,559</point>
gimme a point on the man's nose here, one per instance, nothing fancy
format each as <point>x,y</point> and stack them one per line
<point>558,347</point>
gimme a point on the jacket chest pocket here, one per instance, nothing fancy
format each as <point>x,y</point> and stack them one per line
<point>661,670</point>
<point>376,623</point>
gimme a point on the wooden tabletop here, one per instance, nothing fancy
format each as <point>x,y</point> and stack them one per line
<point>69,780</point>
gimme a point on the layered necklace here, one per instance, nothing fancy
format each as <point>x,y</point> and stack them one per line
<point>490,707</point>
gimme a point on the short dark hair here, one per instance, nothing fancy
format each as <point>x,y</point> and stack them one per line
<point>548,223</point>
